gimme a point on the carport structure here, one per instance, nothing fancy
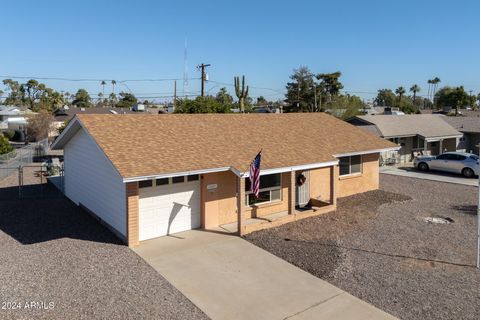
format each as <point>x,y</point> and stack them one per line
<point>191,171</point>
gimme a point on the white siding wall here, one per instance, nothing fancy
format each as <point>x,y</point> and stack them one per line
<point>90,179</point>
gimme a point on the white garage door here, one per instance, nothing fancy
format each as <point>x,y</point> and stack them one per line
<point>168,206</point>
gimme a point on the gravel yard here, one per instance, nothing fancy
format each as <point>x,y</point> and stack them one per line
<point>52,252</point>
<point>378,247</point>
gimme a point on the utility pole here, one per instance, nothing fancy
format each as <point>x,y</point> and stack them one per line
<point>174,93</point>
<point>478,226</point>
<point>202,68</point>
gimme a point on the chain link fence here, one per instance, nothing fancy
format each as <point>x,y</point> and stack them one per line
<point>10,162</point>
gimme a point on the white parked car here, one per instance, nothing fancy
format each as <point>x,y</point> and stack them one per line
<point>463,163</point>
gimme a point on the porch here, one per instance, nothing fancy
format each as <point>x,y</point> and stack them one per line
<point>285,196</point>
<point>411,146</point>
<point>277,219</point>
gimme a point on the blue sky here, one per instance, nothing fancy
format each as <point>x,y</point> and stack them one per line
<point>375,44</point>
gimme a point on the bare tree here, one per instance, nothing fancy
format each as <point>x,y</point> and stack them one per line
<point>39,126</point>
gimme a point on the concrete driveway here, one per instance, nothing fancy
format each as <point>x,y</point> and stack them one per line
<point>229,278</point>
<point>411,172</point>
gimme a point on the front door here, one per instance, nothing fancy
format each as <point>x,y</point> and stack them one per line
<point>302,189</point>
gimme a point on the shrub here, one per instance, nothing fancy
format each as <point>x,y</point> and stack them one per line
<point>5,146</point>
<point>9,134</point>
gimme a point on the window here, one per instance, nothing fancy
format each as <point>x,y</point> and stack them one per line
<point>270,189</point>
<point>350,165</point>
<point>145,184</point>
<point>192,177</point>
<point>161,181</point>
<point>178,179</point>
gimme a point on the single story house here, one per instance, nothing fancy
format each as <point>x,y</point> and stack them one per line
<point>426,133</point>
<point>66,113</point>
<point>470,128</point>
<point>147,176</point>
<point>13,118</point>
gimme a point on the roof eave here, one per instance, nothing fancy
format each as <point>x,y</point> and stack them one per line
<point>66,134</point>
<point>356,153</point>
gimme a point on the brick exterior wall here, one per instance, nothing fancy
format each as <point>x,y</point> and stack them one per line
<point>132,213</point>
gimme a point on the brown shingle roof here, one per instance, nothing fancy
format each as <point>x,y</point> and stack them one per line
<point>147,145</point>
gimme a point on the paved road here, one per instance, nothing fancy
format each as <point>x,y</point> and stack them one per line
<point>429,175</point>
<point>229,278</point>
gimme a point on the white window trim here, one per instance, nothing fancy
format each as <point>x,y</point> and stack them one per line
<point>350,167</point>
<point>248,193</point>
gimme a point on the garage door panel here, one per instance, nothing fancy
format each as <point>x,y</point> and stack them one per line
<point>169,209</point>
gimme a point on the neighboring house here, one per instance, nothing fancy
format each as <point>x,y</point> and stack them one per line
<point>470,128</point>
<point>13,118</point>
<point>67,113</point>
<point>147,176</point>
<point>426,133</point>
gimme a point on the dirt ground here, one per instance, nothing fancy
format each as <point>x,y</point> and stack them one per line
<point>378,247</point>
<point>57,262</point>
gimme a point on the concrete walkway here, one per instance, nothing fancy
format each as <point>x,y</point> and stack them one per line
<point>229,278</point>
<point>429,175</point>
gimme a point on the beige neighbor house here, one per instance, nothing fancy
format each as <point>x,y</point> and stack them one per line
<point>426,133</point>
<point>147,176</point>
<point>470,128</point>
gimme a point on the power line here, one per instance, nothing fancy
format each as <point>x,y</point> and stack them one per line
<point>91,79</point>
<point>251,87</point>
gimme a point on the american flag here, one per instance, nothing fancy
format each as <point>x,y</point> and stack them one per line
<point>255,175</point>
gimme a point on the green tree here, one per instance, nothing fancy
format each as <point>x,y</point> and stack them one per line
<point>346,106</point>
<point>5,146</point>
<point>50,100</point>
<point>127,100</point>
<point>261,101</point>
<point>14,93</point>
<point>455,98</point>
<point>207,104</point>
<point>386,98</point>
<point>330,84</point>
<point>31,91</point>
<point>301,90</point>
<point>223,96</point>
<point>400,91</point>
<point>415,88</point>
<point>112,99</point>
<point>82,99</point>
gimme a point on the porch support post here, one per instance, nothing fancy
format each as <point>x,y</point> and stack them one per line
<point>240,204</point>
<point>333,185</point>
<point>291,193</point>
<point>440,146</point>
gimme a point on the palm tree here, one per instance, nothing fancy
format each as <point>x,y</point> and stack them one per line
<point>430,83</point>
<point>103,83</point>
<point>113,86</point>
<point>435,83</point>
<point>400,91</point>
<point>415,88</point>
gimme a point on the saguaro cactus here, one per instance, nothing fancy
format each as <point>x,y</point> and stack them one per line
<point>241,93</point>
